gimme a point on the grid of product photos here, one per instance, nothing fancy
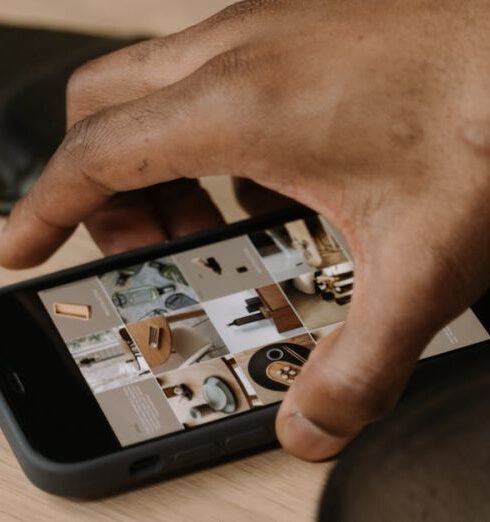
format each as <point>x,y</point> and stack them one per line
<point>184,340</point>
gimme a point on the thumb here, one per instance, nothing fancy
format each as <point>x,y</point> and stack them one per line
<point>357,373</point>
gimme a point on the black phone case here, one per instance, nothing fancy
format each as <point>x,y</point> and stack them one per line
<point>173,454</point>
<point>159,458</point>
<point>147,462</point>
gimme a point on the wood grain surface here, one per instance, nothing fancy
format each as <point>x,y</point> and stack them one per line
<point>268,487</point>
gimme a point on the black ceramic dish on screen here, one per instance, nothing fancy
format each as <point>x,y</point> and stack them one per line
<point>261,361</point>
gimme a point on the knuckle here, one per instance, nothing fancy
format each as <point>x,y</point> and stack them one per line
<point>240,73</point>
<point>77,143</point>
<point>223,81</point>
<point>75,82</point>
<point>142,52</point>
<point>85,153</point>
<point>80,147</point>
<point>80,90</point>
<point>235,62</point>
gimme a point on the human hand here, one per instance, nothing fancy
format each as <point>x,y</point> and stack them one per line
<point>376,114</point>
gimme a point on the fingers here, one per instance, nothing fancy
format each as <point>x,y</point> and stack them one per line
<point>28,225</point>
<point>184,207</point>
<point>137,71</point>
<point>357,374</point>
<point>145,67</point>
<point>179,131</point>
<point>141,218</point>
<point>256,200</point>
<point>125,222</point>
<point>153,139</point>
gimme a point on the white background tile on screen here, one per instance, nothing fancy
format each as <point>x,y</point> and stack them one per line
<point>224,310</point>
<point>278,254</point>
<point>285,266</point>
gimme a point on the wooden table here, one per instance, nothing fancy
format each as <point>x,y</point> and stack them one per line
<point>268,487</point>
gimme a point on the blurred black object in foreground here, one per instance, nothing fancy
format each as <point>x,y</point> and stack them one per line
<point>34,67</point>
<point>427,461</point>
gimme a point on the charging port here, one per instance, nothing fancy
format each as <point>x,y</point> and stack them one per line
<point>145,467</point>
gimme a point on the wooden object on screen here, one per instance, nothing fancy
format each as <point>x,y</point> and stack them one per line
<point>157,349</point>
<point>73,311</point>
<point>153,336</point>
<point>185,315</point>
<point>276,307</point>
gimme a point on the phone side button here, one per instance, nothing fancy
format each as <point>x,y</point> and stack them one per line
<point>197,454</point>
<point>248,439</point>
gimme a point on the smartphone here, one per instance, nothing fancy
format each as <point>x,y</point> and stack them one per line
<point>153,362</point>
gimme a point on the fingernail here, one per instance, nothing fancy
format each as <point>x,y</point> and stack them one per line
<point>306,440</point>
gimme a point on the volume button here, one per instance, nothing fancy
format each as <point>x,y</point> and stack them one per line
<point>197,454</point>
<point>248,439</point>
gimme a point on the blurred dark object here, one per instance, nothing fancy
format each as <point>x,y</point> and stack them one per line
<point>35,65</point>
<point>430,459</point>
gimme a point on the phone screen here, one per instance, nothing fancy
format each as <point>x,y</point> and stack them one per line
<point>176,342</point>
